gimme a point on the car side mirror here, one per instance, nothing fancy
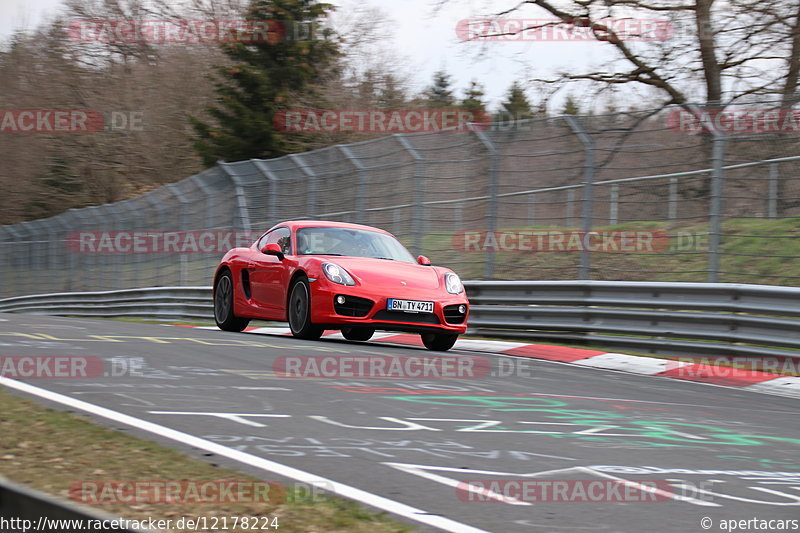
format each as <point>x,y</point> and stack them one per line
<point>273,249</point>
<point>422,260</point>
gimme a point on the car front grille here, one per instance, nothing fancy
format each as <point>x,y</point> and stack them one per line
<point>400,316</point>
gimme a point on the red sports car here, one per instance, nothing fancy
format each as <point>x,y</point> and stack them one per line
<point>321,275</point>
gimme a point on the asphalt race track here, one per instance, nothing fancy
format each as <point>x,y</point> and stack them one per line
<point>407,444</point>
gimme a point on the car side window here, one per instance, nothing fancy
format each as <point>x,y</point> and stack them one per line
<point>279,236</point>
<point>262,241</point>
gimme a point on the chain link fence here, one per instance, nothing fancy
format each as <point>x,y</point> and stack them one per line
<point>625,196</point>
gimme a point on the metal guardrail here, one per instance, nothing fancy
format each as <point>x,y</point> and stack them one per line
<point>666,318</point>
<point>161,302</point>
<point>23,508</point>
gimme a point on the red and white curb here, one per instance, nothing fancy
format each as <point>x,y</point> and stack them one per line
<point>752,380</point>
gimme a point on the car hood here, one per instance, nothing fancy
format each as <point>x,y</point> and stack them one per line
<point>390,274</point>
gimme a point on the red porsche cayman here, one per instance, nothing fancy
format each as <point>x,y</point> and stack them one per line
<point>321,275</point>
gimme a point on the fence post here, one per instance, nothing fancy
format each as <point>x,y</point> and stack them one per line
<point>117,257</point>
<point>715,207</point>
<point>272,179</point>
<point>198,182</point>
<point>614,207</point>
<point>183,226</point>
<point>14,259</point>
<point>672,205</point>
<point>588,188</point>
<point>155,260</point>
<point>532,209</point>
<point>491,208</point>
<point>241,198</point>
<point>134,260</point>
<point>361,193</point>
<point>419,172</point>
<point>772,202</point>
<point>312,183</point>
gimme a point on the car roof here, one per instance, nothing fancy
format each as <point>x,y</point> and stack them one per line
<point>296,224</point>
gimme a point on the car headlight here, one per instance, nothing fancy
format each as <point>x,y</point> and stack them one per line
<point>337,274</point>
<point>453,283</point>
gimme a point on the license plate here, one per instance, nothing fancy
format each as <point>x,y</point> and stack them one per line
<point>409,306</point>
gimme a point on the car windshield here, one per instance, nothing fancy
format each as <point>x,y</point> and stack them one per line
<point>350,242</point>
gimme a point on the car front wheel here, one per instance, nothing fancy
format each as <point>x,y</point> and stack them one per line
<point>439,342</point>
<point>299,311</point>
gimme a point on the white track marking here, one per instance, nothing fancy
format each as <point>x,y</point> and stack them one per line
<point>631,363</point>
<point>340,489</point>
<point>788,386</point>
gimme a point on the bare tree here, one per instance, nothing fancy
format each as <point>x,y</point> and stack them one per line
<point>736,50</point>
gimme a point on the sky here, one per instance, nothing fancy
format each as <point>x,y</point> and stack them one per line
<point>420,39</point>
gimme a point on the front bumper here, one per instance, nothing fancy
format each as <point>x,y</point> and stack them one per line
<point>323,310</point>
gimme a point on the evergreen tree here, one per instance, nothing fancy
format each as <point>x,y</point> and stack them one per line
<point>264,78</point>
<point>516,105</point>
<point>439,95</point>
<point>570,106</point>
<point>391,94</point>
<point>473,99</point>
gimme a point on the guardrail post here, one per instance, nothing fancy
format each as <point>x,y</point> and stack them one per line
<point>772,201</point>
<point>491,208</point>
<point>588,188</point>
<point>361,192</point>
<point>241,198</point>
<point>311,183</point>
<point>418,219</point>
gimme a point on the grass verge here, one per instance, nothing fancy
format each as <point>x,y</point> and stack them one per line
<point>50,450</point>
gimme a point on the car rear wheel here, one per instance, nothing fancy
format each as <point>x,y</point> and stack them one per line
<point>299,311</point>
<point>358,334</point>
<point>439,342</point>
<point>223,305</point>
